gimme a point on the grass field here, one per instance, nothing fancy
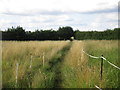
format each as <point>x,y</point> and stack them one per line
<point>62,64</point>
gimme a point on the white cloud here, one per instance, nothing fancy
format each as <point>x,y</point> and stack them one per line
<point>105,21</point>
<point>21,6</point>
<point>33,14</point>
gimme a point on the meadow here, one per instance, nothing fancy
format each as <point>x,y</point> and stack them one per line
<point>59,64</point>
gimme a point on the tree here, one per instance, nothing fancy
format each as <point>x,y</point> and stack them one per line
<point>14,34</point>
<point>65,33</point>
<point>20,33</point>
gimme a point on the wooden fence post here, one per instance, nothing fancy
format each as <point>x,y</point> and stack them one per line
<point>31,61</point>
<point>101,67</point>
<point>43,58</point>
<point>16,73</point>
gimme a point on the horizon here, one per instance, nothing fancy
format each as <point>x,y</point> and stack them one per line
<point>58,29</point>
<point>41,14</point>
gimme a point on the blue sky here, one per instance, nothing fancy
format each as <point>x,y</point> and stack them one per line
<point>46,14</point>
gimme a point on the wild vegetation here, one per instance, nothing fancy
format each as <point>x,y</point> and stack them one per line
<point>59,64</point>
<point>109,49</point>
<point>22,53</point>
<point>63,33</point>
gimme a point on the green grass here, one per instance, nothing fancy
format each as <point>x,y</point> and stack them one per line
<point>17,54</point>
<point>109,49</point>
<point>66,66</point>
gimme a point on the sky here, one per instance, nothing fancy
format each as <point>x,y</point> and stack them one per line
<point>83,15</point>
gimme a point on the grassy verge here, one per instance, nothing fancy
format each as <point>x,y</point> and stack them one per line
<point>60,64</point>
<point>81,71</point>
<point>75,71</point>
<point>52,70</point>
<point>21,52</point>
<point>109,49</point>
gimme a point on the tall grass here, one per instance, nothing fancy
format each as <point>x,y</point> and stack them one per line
<point>76,72</point>
<point>109,49</point>
<point>82,71</point>
<point>65,65</point>
<point>21,52</point>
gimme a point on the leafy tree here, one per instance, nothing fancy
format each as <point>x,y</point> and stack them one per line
<point>65,33</point>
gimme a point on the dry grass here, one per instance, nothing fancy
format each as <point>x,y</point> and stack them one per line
<point>78,74</point>
<point>77,69</point>
<point>81,71</point>
<point>109,49</point>
<point>21,52</point>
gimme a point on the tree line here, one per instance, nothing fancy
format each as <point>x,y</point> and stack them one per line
<point>63,33</point>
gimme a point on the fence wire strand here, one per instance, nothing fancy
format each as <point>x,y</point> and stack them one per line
<point>103,59</point>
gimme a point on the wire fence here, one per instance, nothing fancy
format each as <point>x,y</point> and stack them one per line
<point>102,58</point>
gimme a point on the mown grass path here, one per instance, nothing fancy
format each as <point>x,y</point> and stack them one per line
<point>55,65</point>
